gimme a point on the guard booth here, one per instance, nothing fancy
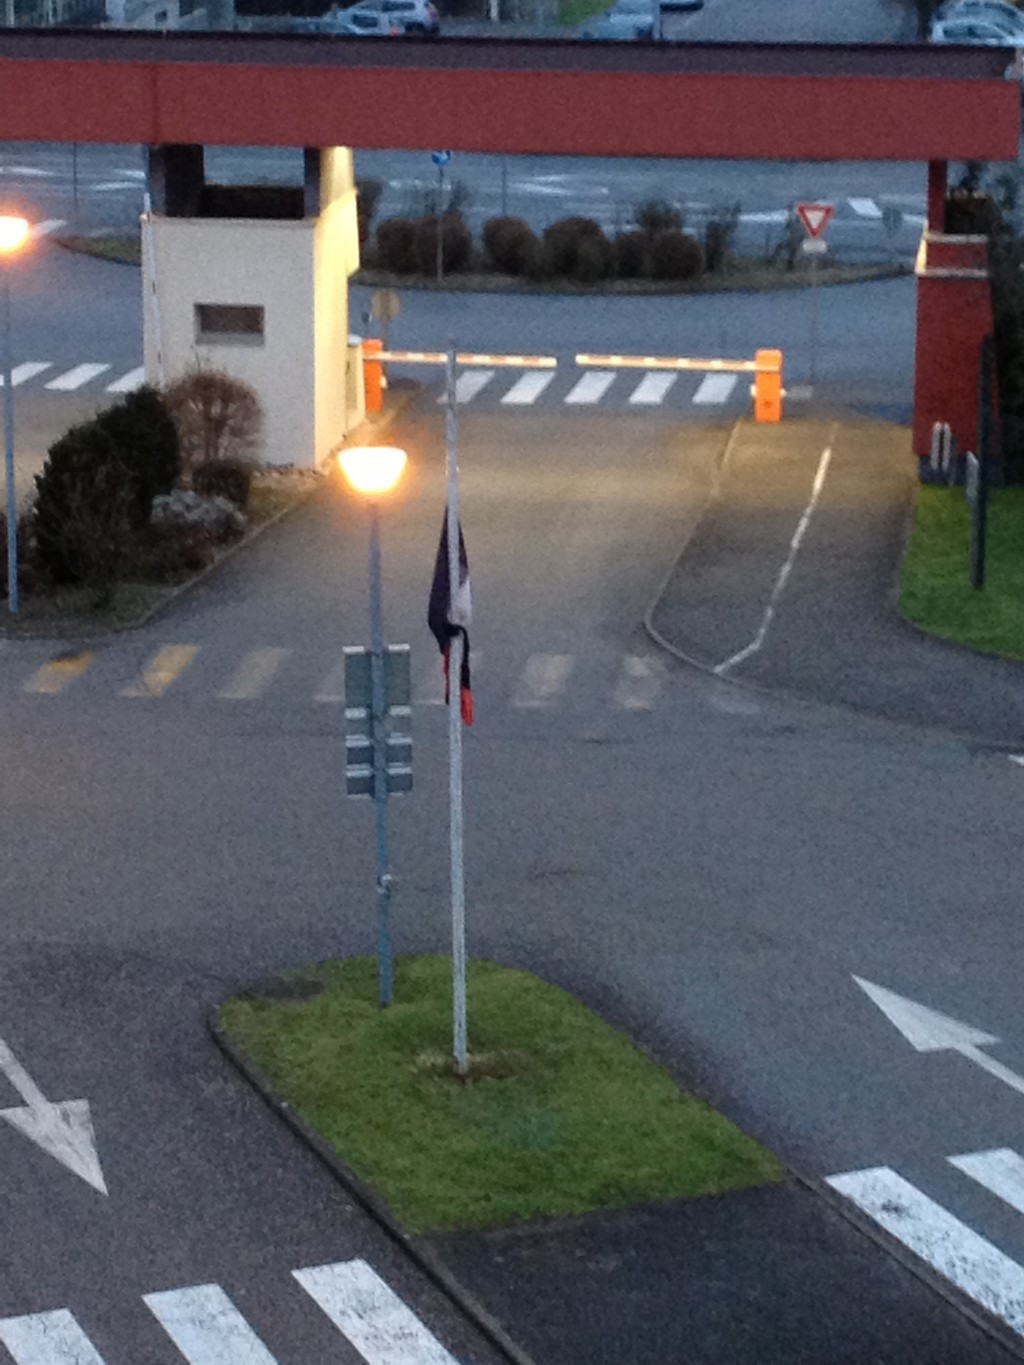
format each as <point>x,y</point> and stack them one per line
<point>253,280</point>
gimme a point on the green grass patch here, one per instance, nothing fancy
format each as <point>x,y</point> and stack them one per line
<point>125,250</point>
<point>561,1114</point>
<point>936,592</point>
<point>575,11</point>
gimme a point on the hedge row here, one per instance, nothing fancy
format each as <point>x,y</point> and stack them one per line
<point>573,248</point>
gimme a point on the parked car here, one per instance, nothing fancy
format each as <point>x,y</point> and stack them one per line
<point>410,16</point>
<point>977,30</point>
<point>1001,11</point>
<point>626,20</point>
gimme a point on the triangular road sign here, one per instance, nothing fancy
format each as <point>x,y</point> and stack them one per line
<point>815,217</point>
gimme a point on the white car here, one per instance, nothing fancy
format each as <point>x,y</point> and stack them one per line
<point>998,11</point>
<point>978,30</point>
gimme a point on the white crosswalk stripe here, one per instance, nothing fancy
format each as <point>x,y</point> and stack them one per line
<point>206,1326</point>
<point>715,388</point>
<point>76,378</point>
<point>129,382</point>
<point>528,387</point>
<point>48,1339</point>
<point>468,384</point>
<point>591,387</point>
<point>208,1329</point>
<point>640,681</point>
<point>378,1324</point>
<point>28,369</point>
<point>253,675</point>
<point>543,679</point>
<point>952,1248</point>
<point>653,388</point>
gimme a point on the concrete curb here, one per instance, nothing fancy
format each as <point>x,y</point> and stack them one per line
<point>422,1256</point>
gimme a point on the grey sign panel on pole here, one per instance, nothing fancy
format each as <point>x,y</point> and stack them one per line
<point>360,724</point>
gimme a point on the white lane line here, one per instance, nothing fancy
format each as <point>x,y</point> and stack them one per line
<point>653,388</point>
<point>715,388</point>
<point>544,677</point>
<point>765,216</point>
<point>785,571</point>
<point>253,675</point>
<point>956,1251</point>
<point>1001,1171</point>
<point>867,208</point>
<point>468,385</point>
<point>592,387</point>
<point>108,186</point>
<point>528,387</point>
<point>1016,758</point>
<point>129,382</point>
<point>74,379</point>
<point>48,1339</point>
<point>21,374</point>
<point>640,681</point>
<point>383,1329</point>
<point>206,1326</point>
<point>47,226</point>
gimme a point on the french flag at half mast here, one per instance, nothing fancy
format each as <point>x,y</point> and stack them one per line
<point>443,626</point>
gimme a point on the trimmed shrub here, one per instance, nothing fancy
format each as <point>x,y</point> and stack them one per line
<point>231,479</point>
<point>144,432</point>
<point>632,255</point>
<point>396,245</point>
<point>595,260</point>
<point>86,501</point>
<point>218,416</point>
<point>456,243</point>
<point>562,243</point>
<point>657,215</point>
<point>510,243</point>
<point>675,256</point>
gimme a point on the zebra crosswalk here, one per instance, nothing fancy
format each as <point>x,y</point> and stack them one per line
<point>55,378</point>
<point>633,682</point>
<point>206,1327</point>
<point>572,388</point>
<point>977,1265</point>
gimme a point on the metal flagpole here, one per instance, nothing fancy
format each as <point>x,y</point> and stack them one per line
<point>458,879</point>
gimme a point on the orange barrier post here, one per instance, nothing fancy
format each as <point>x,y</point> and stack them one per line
<point>373,374</point>
<point>768,386</point>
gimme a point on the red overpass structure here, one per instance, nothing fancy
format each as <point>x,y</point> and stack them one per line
<point>792,102</point>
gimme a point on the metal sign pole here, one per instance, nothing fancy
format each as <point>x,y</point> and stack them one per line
<point>458,875</point>
<point>12,496</point>
<point>814,320</point>
<point>378,734</point>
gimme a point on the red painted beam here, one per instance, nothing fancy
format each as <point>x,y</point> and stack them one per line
<point>805,102</point>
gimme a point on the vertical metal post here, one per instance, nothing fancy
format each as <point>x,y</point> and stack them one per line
<point>504,186</point>
<point>440,223</point>
<point>12,495</point>
<point>814,321</point>
<point>979,508</point>
<point>458,879</point>
<point>74,184</point>
<point>380,773</point>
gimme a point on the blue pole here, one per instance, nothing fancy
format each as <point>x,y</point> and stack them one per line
<point>12,497</point>
<point>380,773</point>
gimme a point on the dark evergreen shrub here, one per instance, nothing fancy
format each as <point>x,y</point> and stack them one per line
<point>144,432</point>
<point>231,479</point>
<point>456,243</point>
<point>675,256</point>
<point>510,243</point>
<point>562,243</point>
<point>657,215</point>
<point>396,245</point>
<point>595,260</point>
<point>632,255</point>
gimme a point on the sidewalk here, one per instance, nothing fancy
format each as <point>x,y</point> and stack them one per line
<point>833,633</point>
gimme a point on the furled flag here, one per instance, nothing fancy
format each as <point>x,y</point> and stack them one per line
<point>443,626</point>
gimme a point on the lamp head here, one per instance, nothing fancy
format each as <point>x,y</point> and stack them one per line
<point>13,233</point>
<point>372,470</point>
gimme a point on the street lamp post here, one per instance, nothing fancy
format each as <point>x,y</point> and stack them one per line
<point>374,471</point>
<point>13,236</point>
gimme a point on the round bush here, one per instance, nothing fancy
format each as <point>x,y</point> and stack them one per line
<point>230,479</point>
<point>595,260</point>
<point>562,241</point>
<point>85,499</point>
<point>657,215</point>
<point>396,245</point>
<point>675,256</point>
<point>510,243</point>
<point>456,243</point>
<point>632,253</point>
<point>143,430</point>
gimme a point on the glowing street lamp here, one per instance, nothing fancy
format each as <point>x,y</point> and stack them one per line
<point>374,471</point>
<point>14,233</point>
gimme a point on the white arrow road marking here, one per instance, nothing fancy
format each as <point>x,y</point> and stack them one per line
<point>378,1324</point>
<point>206,1326</point>
<point>973,1264</point>
<point>468,385</point>
<point>48,1339</point>
<point>62,1129</point>
<point>929,1031</point>
<point>1001,1171</point>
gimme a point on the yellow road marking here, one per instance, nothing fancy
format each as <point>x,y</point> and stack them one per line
<point>166,665</point>
<point>54,676</point>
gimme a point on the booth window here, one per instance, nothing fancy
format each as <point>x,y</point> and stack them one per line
<point>234,324</point>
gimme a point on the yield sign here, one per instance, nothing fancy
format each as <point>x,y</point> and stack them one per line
<point>815,217</point>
